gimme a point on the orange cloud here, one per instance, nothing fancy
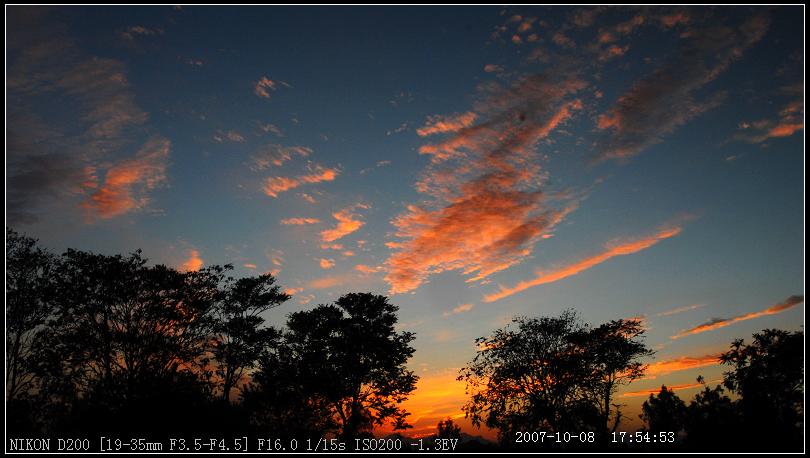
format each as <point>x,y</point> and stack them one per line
<point>276,185</point>
<point>277,155</point>
<point>324,282</point>
<point>680,364</point>
<point>718,323</point>
<point>445,124</point>
<point>299,221</point>
<point>366,269</point>
<point>326,263</point>
<point>194,261</point>
<point>485,211</point>
<point>249,265</point>
<point>460,309</point>
<point>347,223</point>
<point>620,249</point>
<point>265,85</point>
<point>125,184</point>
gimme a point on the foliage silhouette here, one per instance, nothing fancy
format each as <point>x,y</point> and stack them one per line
<point>110,345</point>
<point>350,362</point>
<point>664,412</point>
<point>552,374</point>
<point>768,375</point>
<point>447,429</point>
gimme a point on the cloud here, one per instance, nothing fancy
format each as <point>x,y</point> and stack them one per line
<point>51,158</point>
<point>265,85</point>
<point>460,309</point>
<point>680,364</point>
<point>326,263</point>
<point>325,282</point>
<point>366,269</point>
<point>678,310</point>
<point>445,124</point>
<point>231,136</point>
<point>249,265</point>
<point>790,121</point>
<point>126,183</point>
<point>620,248</point>
<point>299,221</point>
<point>485,210</point>
<point>277,155</point>
<point>274,186</point>
<point>131,32</point>
<point>493,68</point>
<point>193,263</point>
<point>717,323</point>
<point>665,100</point>
<point>347,223</point>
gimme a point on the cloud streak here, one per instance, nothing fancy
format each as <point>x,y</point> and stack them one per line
<point>621,248</point>
<point>717,323</point>
<point>273,186</point>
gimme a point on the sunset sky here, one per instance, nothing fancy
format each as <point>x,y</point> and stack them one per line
<point>472,163</point>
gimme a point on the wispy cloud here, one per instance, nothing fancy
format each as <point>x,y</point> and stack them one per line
<point>485,210</point>
<point>347,223</point>
<point>680,364</point>
<point>445,124</point>
<point>665,100</point>
<point>265,86</point>
<point>126,183</point>
<point>274,186</point>
<point>459,309</point>
<point>717,323</point>
<point>789,121</point>
<point>677,310</point>
<point>326,263</point>
<point>299,221</point>
<point>617,248</point>
<point>277,155</point>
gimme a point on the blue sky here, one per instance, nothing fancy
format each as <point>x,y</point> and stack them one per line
<point>457,152</point>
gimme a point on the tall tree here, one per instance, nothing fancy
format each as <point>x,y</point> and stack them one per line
<point>768,375</point>
<point>29,294</point>
<point>664,411</point>
<point>613,351</point>
<point>351,355</point>
<point>529,377</point>
<point>240,336</point>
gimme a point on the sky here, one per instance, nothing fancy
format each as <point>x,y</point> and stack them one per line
<point>472,163</point>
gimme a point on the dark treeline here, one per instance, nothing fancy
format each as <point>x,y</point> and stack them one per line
<point>109,345</point>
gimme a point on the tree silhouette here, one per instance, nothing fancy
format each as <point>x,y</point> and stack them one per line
<point>447,429</point>
<point>239,336</point>
<point>350,356</point>
<point>768,375</point>
<point>552,374</point>
<point>710,415</point>
<point>529,378</point>
<point>613,351</point>
<point>664,411</point>
<point>29,291</point>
